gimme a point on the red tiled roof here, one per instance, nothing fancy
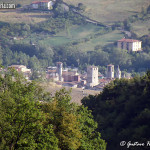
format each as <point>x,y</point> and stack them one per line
<point>128,40</point>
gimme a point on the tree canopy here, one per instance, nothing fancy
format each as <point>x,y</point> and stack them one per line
<point>122,111</point>
<point>34,119</point>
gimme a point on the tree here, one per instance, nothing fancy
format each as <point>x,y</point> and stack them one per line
<point>22,123</point>
<point>91,139</point>
<point>122,110</point>
<point>32,119</point>
<point>81,6</point>
<point>66,125</point>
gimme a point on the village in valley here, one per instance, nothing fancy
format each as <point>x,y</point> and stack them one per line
<point>92,78</point>
<point>74,74</point>
<point>73,77</point>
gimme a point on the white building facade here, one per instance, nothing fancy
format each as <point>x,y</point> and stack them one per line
<point>130,45</point>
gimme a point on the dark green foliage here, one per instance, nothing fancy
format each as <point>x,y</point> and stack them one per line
<point>122,111</point>
<point>91,139</point>
<point>22,121</point>
<point>32,119</point>
<point>146,43</point>
<point>81,6</point>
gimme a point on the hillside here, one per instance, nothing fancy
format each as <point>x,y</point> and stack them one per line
<point>104,11</point>
<point>40,39</point>
<point>108,11</point>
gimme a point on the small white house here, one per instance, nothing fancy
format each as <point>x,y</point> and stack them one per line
<point>45,4</point>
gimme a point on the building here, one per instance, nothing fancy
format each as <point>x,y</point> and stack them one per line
<point>110,71</point>
<point>59,70</point>
<point>118,73</point>
<point>43,5</point>
<point>58,74</point>
<point>92,76</point>
<point>71,76</point>
<point>51,73</point>
<point>21,68</point>
<point>130,45</point>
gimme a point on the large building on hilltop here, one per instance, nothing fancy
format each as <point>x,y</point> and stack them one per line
<point>130,44</point>
<point>92,76</point>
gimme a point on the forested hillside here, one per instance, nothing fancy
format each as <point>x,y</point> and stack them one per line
<point>122,111</point>
<point>67,36</point>
<point>32,119</point>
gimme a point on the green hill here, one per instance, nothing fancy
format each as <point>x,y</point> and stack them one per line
<point>111,10</point>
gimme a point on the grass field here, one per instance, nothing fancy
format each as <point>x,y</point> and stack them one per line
<point>108,11</point>
<point>77,32</point>
<point>18,17</point>
<point>141,27</point>
<point>103,40</point>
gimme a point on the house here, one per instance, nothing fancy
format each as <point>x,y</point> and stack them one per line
<point>71,76</point>
<point>130,44</point>
<point>21,68</point>
<point>43,5</point>
<point>51,73</point>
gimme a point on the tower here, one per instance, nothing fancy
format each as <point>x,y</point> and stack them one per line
<point>59,70</point>
<point>92,76</point>
<point>118,73</point>
<point>110,71</point>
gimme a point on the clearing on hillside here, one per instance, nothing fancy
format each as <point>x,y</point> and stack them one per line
<point>108,11</point>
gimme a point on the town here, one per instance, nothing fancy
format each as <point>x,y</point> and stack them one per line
<point>92,78</point>
<point>74,75</point>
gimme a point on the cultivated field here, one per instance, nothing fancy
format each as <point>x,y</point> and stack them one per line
<point>77,93</point>
<point>15,16</point>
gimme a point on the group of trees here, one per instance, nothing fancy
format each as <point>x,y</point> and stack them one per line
<point>17,29</point>
<point>70,54</point>
<point>122,111</point>
<point>37,56</point>
<point>32,119</point>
